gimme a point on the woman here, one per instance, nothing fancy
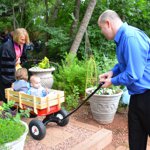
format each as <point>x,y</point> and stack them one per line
<point>12,54</point>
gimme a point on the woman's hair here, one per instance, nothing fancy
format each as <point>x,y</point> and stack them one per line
<point>21,74</point>
<point>19,32</point>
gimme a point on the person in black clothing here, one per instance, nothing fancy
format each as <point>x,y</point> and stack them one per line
<point>12,53</point>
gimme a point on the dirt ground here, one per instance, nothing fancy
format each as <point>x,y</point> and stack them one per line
<point>118,126</point>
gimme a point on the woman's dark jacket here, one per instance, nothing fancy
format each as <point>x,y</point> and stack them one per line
<point>8,62</point>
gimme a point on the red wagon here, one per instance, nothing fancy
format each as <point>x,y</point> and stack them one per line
<point>49,106</point>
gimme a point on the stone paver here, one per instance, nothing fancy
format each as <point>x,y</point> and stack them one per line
<point>74,136</point>
<point>97,141</point>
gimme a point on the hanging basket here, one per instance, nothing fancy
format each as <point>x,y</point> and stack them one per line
<point>104,107</point>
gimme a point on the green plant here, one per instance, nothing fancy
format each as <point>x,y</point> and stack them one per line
<point>10,120</point>
<point>108,91</point>
<point>44,64</point>
<point>105,65</point>
<point>91,72</point>
<point>71,78</point>
<point>72,99</point>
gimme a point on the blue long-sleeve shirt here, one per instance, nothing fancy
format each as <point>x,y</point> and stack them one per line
<point>133,54</point>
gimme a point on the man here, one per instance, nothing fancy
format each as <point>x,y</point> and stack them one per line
<point>132,71</point>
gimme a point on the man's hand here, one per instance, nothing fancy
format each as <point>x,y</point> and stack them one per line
<point>106,78</point>
<point>107,82</point>
<point>106,75</point>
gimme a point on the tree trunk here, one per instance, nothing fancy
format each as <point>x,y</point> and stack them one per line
<point>46,21</point>
<point>76,18</point>
<point>83,26</point>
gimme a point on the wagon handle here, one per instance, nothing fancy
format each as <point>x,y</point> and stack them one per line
<point>86,99</point>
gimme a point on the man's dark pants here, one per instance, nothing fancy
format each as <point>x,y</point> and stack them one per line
<point>139,120</point>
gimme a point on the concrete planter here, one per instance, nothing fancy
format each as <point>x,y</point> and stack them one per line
<point>104,107</point>
<point>45,76</point>
<point>19,143</point>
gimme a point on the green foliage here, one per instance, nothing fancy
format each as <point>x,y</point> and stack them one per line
<point>10,120</point>
<point>32,15</point>
<point>15,115</point>
<point>74,76</point>
<point>72,100</point>
<point>91,72</point>
<point>108,91</point>
<point>57,43</point>
<point>44,64</point>
<point>7,132</point>
<point>106,64</point>
<point>134,12</point>
<point>71,73</point>
<point>71,77</point>
<point>100,46</point>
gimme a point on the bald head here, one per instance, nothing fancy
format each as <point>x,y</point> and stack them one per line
<point>108,14</point>
<point>109,23</point>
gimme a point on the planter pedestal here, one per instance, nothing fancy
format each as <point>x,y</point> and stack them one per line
<point>103,107</point>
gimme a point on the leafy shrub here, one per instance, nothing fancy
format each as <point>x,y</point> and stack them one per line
<point>71,78</point>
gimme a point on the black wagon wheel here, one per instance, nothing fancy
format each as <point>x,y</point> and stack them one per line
<point>37,129</point>
<point>61,114</point>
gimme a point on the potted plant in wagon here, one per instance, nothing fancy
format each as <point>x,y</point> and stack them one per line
<point>13,131</point>
<point>104,102</point>
<point>44,70</point>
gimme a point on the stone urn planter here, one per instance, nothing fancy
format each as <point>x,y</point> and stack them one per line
<point>104,107</point>
<point>45,75</point>
<point>44,70</point>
